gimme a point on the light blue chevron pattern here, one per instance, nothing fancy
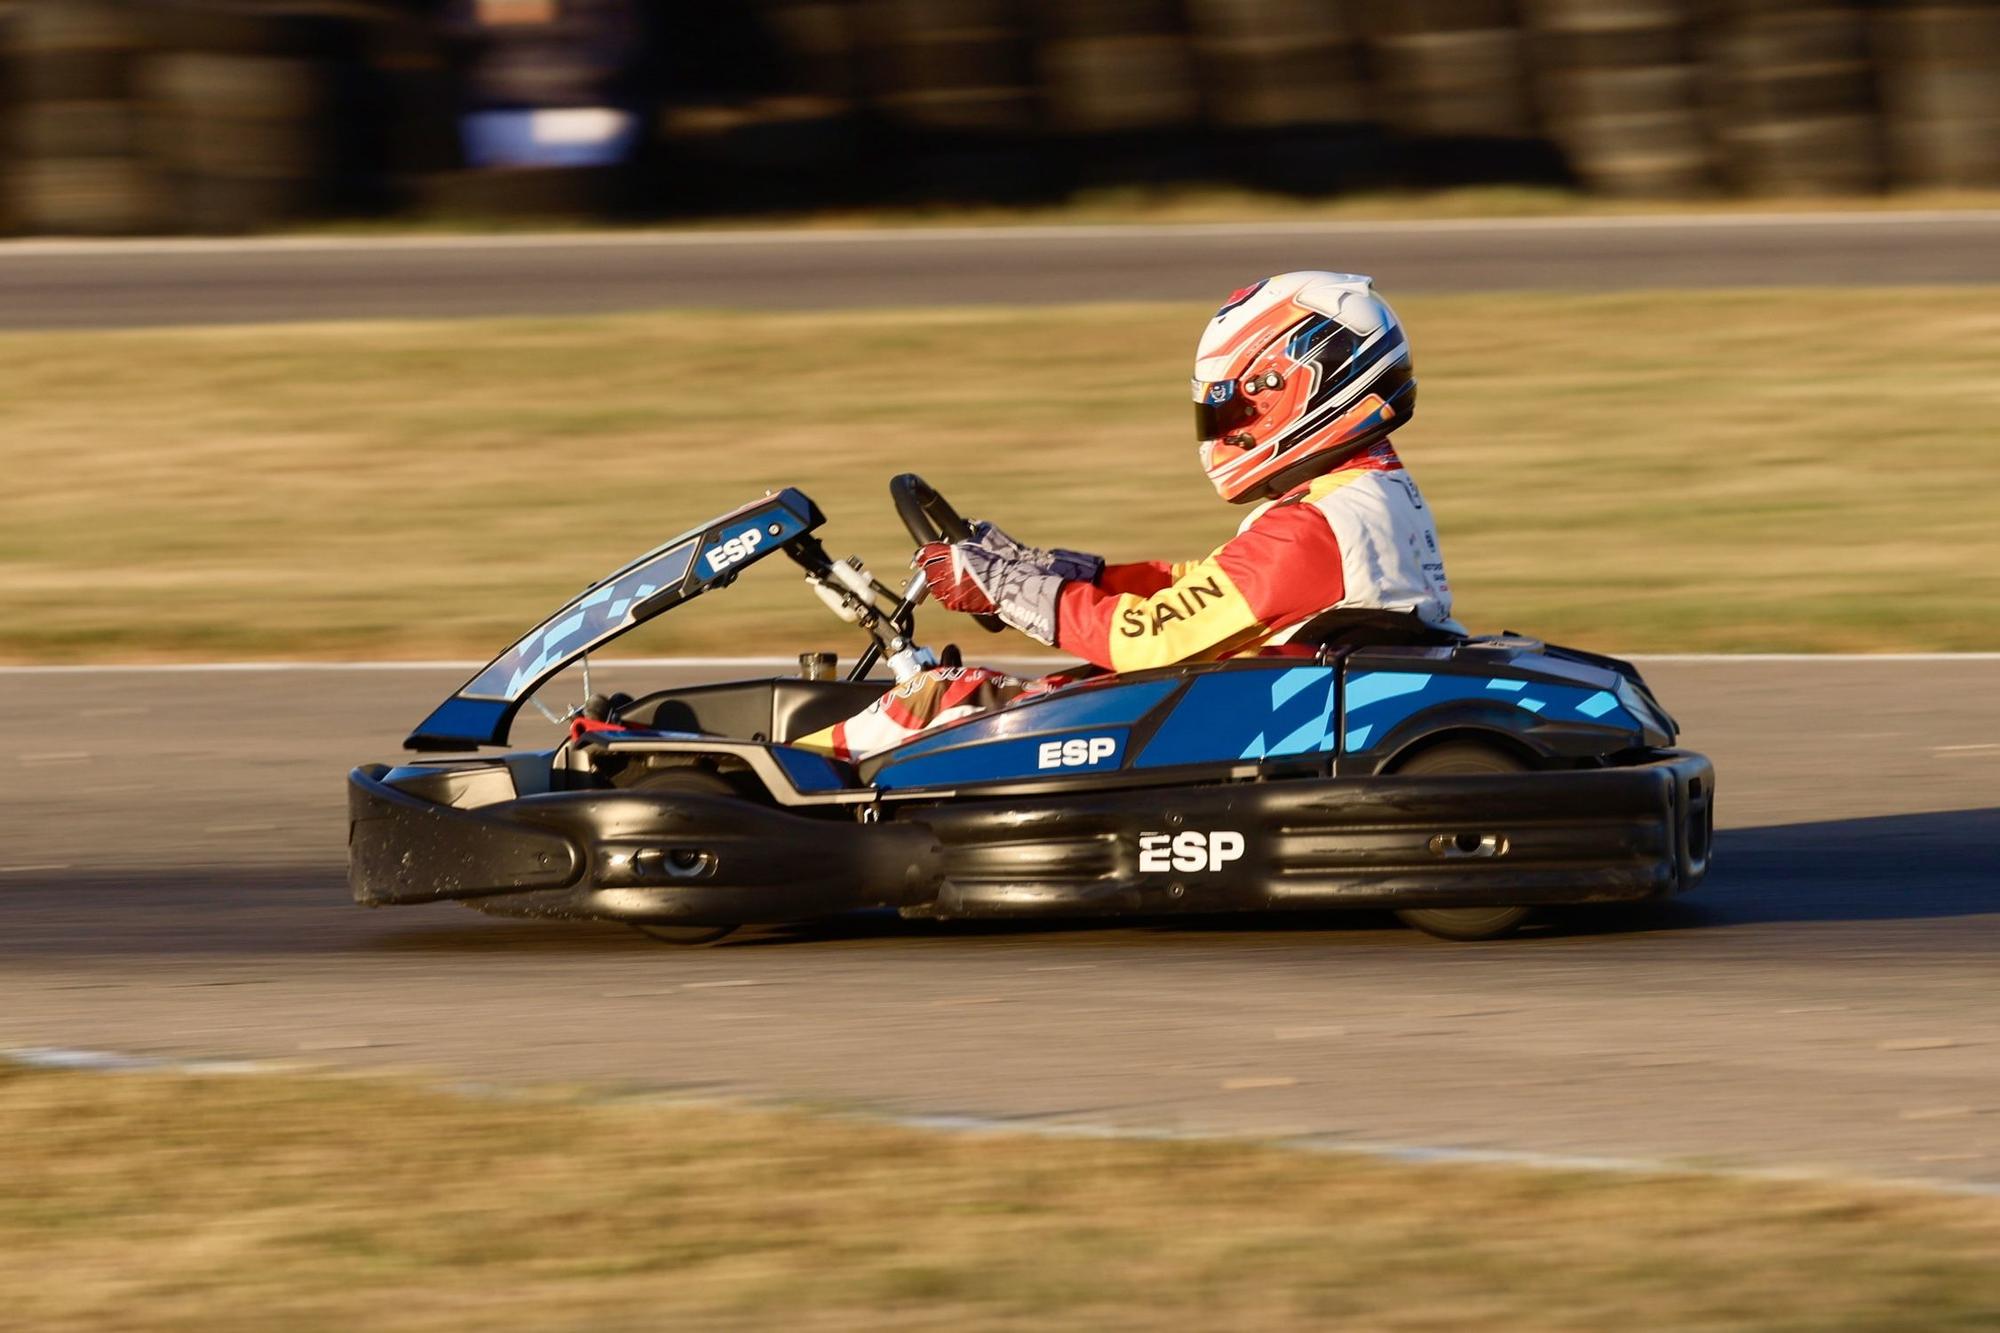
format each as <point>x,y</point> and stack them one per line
<point>1380,701</point>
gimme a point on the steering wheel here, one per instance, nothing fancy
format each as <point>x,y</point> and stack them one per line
<point>930,518</point>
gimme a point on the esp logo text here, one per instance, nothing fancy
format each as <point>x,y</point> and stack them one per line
<point>734,551</point>
<point>1083,752</point>
<point>1190,851</point>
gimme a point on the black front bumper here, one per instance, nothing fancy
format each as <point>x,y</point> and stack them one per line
<point>1599,835</point>
<point>628,856</point>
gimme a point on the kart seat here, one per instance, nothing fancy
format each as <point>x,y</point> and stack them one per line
<point>1346,628</point>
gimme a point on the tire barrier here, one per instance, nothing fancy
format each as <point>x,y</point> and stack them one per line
<point>1791,93</point>
<point>1279,64</point>
<point>122,116</point>
<point>236,105</point>
<point>954,90</point>
<point>10,150</point>
<point>1940,67</point>
<point>1620,92</point>
<point>951,67</point>
<point>1452,68</point>
<point>79,165</point>
<point>1285,93</point>
<point>1116,67</point>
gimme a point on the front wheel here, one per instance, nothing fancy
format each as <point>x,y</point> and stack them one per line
<point>1464,759</point>
<point>701,782</point>
<point>686,937</point>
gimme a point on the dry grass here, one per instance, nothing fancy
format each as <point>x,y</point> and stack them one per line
<point>1796,470</point>
<point>156,1202</point>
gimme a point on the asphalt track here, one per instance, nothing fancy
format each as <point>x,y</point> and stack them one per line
<point>170,884</point>
<point>81,284</point>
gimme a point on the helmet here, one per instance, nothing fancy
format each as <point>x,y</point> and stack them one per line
<point>1294,376</point>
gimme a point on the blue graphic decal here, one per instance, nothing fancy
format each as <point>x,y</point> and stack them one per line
<point>809,770</point>
<point>1302,341</point>
<point>1371,687</point>
<point>472,719</point>
<point>602,613</point>
<point>1598,704</point>
<point>1380,701</point>
<point>655,582</point>
<point>1247,714</point>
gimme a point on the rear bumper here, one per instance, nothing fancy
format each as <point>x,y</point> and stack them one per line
<point>1601,835</point>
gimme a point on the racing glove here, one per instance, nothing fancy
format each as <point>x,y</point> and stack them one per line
<point>970,578</point>
<point>1069,566</point>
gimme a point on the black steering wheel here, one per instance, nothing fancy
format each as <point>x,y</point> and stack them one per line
<point>930,518</point>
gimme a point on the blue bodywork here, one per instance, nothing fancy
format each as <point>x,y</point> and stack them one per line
<point>1353,714</point>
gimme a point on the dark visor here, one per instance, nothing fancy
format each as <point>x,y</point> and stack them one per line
<point>1214,419</point>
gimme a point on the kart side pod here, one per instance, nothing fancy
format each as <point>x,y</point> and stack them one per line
<point>1601,835</point>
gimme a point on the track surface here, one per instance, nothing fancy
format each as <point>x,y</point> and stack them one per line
<point>1827,1001</point>
<point>108,285</point>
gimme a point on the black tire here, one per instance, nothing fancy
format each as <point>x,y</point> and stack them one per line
<point>684,937</point>
<point>701,782</point>
<point>1463,759</point>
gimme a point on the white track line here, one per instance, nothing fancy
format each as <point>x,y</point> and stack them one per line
<point>1029,663</point>
<point>981,235</point>
<point>1427,1155</point>
<point>1414,1154</point>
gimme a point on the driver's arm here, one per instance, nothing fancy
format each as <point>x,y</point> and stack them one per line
<point>1142,578</point>
<point>1283,569</point>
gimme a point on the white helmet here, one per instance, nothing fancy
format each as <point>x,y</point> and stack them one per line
<point>1294,376</point>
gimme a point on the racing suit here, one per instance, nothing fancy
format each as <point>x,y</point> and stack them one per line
<point>1359,536</point>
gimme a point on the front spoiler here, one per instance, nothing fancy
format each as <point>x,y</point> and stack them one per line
<point>1599,835</point>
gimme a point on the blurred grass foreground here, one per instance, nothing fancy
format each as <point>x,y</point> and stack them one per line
<point>1732,471</point>
<point>162,1202</point>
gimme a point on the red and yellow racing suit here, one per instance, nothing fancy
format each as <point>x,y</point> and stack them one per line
<point>1359,536</point>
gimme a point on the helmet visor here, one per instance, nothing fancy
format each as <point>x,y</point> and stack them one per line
<point>1221,409</point>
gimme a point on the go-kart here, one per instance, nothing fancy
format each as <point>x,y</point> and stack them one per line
<point>1460,782</point>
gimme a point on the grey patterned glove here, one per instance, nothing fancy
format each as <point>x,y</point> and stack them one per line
<point>1022,595</point>
<point>1069,566</point>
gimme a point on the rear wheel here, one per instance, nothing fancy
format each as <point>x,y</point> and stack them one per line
<point>1464,759</point>
<point>698,782</point>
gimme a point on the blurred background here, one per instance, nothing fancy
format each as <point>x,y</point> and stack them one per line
<point>124,116</point>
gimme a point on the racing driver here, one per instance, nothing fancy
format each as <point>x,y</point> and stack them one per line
<point>1298,382</point>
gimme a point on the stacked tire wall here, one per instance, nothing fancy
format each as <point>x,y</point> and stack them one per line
<point>238,109</point>
<point>1455,80</point>
<point>1941,94</point>
<point>1792,96</point>
<point>75,119</point>
<point>126,116</point>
